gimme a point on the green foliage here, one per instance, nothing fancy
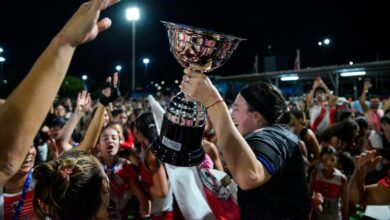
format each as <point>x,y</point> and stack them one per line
<point>71,86</point>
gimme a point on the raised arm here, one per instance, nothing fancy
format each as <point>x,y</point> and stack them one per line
<point>327,90</point>
<point>247,171</point>
<point>312,143</point>
<point>363,96</point>
<point>358,192</point>
<point>374,194</point>
<point>310,95</point>
<point>26,107</point>
<point>159,186</point>
<point>109,94</point>
<point>82,104</point>
<point>386,104</point>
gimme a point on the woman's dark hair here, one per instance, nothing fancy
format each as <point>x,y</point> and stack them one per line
<point>298,114</point>
<point>344,131</point>
<point>344,115</point>
<point>266,99</point>
<point>146,125</point>
<point>116,112</point>
<point>346,162</point>
<point>362,122</point>
<point>69,187</point>
<point>57,121</point>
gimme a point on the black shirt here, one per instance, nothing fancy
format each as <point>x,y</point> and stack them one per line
<point>285,195</point>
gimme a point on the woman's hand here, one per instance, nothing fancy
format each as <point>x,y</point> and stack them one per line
<point>366,161</point>
<point>84,25</point>
<point>83,102</point>
<point>111,91</point>
<point>199,87</point>
<point>145,208</point>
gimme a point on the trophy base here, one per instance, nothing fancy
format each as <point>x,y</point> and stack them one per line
<point>179,145</point>
<point>176,158</point>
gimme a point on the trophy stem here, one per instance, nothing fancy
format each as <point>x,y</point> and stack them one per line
<point>200,114</point>
<point>199,119</point>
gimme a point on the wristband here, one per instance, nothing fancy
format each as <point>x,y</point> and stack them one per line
<point>209,106</point>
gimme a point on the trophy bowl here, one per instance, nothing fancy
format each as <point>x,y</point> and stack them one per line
<point>203,48</point>
<point>179,142</point>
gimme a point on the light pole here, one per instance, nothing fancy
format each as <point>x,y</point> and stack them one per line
<point>84,78</point>
<point>146,61</point>
<point>132,14</point>
<point>2,60</point>
<point>324,43</point>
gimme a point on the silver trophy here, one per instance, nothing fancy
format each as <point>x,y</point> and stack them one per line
<point>183,124</point>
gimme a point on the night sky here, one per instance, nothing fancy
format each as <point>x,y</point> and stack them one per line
<point>357,30</point>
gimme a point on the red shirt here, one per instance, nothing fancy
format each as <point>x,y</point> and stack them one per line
<point>11,203</point>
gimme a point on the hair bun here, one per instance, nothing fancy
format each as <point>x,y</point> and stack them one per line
<point>45,172</point>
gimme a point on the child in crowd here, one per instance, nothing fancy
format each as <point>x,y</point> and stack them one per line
<point>329,184</point>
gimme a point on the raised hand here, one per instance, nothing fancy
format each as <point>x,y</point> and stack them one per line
<point>386,104</point>
<point>111,91</point>
<point>367,161</point>
<point>83,102</point>
<point>317,82</point>
<point>84,25</point>
<point>199,87</point>
<point>367,85</point>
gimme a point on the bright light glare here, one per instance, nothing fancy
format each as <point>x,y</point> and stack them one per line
<point>145,60</point>
<point>118,67</point>
<point>289,78</point>
<point>326,41</point>
<point>2,59</point>
<point>132,14</point>
<point>356,73</point>
<point>84,77</point>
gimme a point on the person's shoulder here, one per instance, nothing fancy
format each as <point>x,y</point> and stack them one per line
<point>282,131</point>
<point>269,130</point>
<point>273,133</point>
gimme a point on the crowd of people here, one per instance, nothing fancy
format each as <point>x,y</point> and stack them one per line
<point>78,158</point>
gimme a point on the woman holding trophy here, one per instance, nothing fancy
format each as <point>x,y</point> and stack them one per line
<point>261,153</point>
